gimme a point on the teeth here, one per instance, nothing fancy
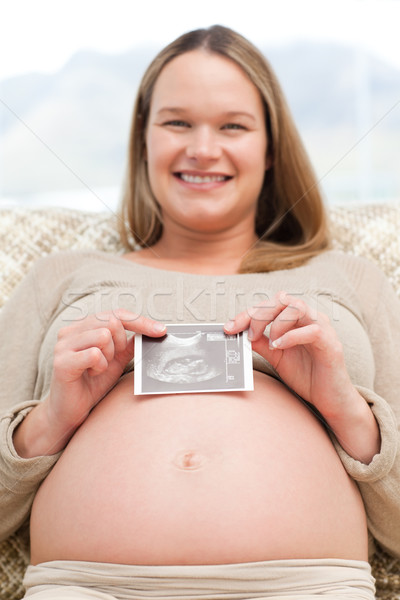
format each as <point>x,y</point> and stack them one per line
<point>200,179</point>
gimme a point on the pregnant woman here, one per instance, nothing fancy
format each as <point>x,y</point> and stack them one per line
<point>271,493</point>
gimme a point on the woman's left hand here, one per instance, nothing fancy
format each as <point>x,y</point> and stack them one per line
<point>304,349</point>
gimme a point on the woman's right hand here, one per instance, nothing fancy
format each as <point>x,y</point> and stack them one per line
<point>89,358</point>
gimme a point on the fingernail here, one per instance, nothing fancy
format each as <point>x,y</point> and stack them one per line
<point>275,343</point>
<point>250,334</point>
<point>283,297</point>
<point>229,325</point>
<point>159,327</point>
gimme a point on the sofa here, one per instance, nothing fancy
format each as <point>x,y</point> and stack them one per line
<point>29,233</point>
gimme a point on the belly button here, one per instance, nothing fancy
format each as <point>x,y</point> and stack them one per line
<point>188,460</point>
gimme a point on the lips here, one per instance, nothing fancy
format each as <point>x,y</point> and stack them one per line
<point>199,179</point>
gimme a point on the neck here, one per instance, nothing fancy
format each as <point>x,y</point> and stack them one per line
<point>215,253</point>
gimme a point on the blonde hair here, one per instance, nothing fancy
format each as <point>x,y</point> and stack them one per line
<point>291,221</point>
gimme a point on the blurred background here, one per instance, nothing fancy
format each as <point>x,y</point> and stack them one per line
<point>69,71</point>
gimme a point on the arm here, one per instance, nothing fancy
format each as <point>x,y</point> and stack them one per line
<point>379,482</point>
<point>36,422</point>
<point>305,351</point>
<point>89,358</point>
<point>372,456</point>
<point>22,323</point>
<point>19,478</point>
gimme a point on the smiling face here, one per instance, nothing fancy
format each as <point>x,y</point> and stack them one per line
<point>206,144</point>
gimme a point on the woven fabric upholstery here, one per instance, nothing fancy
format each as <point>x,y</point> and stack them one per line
<point>370,231</point>
<point>27,234</point>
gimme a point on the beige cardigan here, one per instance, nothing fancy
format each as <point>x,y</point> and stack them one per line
<point>337,281</point>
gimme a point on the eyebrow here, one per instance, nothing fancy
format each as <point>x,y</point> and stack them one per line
<point>229,114</point>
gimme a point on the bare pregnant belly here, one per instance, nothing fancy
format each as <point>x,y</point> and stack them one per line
<point>198,479</point>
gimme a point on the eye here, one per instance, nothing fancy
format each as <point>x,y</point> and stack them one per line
<point>234,126</point>
<point>177,123</point>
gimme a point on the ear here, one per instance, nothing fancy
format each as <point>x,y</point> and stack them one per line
<point>268,162</point>
<point>142,134</point>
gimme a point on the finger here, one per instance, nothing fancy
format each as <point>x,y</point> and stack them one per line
<point>127,354</point>
<point>238,323</point>
<point>140,324</point>
<point>262,347</point>
<point>129,351</point>
<point>309,334</point>
<point>94,321</point>
<point>290,318</point>
<point>96,338</point>
<point>70,367</point>
<point>256,317</point>
<point>117,321</point>
<point>118,333</point>
<point>263,316</point>
<point>296,313</point>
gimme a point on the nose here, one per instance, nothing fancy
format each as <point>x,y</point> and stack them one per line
<point>203,145</point>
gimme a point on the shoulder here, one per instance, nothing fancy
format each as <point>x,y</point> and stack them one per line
<point>57,265</point>
<point>351,276</point>
<point>69,260</point>
<point>48,276</point>
<point>352,265</point>
<point>360,280</point>
<point>60,268</point>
